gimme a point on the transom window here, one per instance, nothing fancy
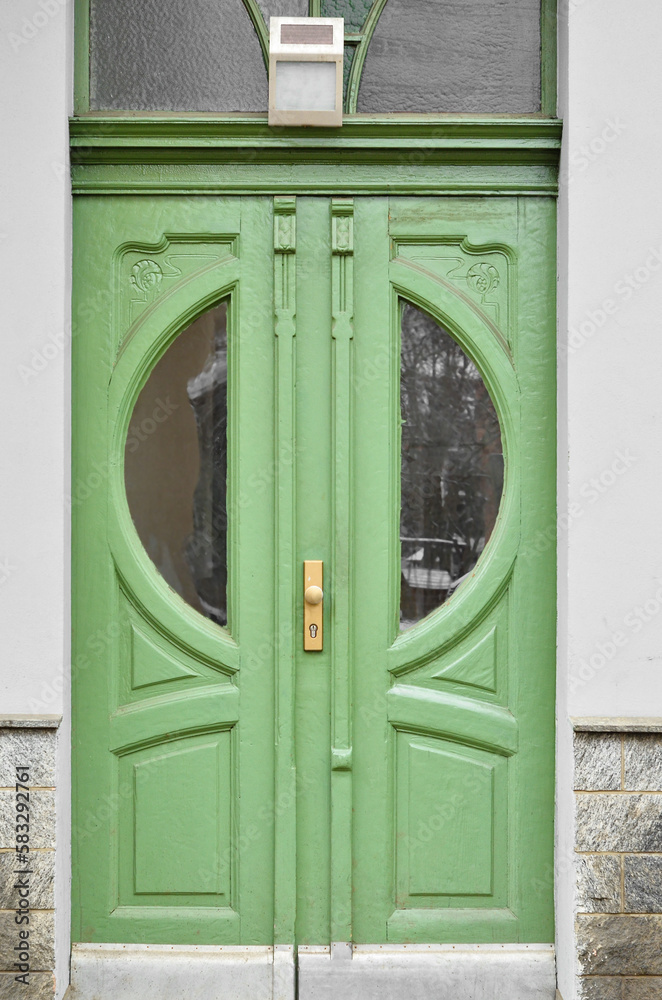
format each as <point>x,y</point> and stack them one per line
<point>421,56</point>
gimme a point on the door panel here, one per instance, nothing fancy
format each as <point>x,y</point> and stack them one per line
<point>453,718</point>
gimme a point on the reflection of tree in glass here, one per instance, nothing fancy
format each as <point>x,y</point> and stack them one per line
<point>452,464</point>
<point>206,547</point>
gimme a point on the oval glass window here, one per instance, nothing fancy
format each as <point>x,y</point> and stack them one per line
<point>175,464</point>
<point>452,465</point>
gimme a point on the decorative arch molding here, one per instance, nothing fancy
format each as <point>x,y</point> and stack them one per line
<point>142,584</point>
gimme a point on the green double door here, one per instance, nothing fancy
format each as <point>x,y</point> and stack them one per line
<point>368,382</point>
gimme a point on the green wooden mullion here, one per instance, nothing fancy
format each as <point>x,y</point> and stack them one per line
<point>285,774</point>
<point>342,211</point>
<point>82,56</point>
<point>548,57</point>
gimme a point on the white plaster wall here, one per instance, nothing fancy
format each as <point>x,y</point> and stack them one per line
<point>610,399</point>
<point>614,264</point>
<point>35,84</point>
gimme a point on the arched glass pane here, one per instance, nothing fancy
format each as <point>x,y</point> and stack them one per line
<point>201,55</point>
<point>353,11</point>
<point>454,56</point>
<point>282,8</point>
<point>175,464</point>
<point>452,466</point>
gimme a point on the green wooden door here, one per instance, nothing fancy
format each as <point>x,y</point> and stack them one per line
<point>396,786</point>
<point>173,756</point>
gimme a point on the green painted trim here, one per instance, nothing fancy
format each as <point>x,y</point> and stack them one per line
<point>342,644</point>
<point>256,17</point>
<point>548,56</point>
<point>94,138</point>
<point>81,56</point>
<point>360,54</point>
<point>285,786</point>
<point>452,175</point>
<point>408,154</point>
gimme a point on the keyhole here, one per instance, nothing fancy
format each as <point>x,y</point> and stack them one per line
<point>313,631</point>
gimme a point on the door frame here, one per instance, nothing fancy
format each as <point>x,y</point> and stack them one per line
<point>416,156</point>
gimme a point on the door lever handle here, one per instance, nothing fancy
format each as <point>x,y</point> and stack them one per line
<point>313,604</point>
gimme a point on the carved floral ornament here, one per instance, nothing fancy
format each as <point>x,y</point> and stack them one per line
<point>483,278</point>
<point>146,275</point>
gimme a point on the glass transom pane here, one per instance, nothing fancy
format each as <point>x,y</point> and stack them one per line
<point>201,55</point>
<point>462,56</point>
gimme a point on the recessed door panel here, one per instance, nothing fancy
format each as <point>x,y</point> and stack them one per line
<point>445,824</point>
<point>167,855</point>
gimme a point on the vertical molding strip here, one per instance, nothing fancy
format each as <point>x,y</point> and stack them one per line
<point>548,57</point>
<point>81,56</point>
<point>342,219</point>
<point>285,769</point>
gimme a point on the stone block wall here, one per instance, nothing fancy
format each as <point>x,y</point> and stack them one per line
<point>618,859</point>
<point>28,742</point>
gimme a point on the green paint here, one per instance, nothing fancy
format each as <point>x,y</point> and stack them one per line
<point>81,56</point>
<point>207,736</point>
<point>411,155</point>
<point>548,57</point>
<point>134,138</point>
<point>284,299</point>
<point>229,788</point>
<point>409,724</point>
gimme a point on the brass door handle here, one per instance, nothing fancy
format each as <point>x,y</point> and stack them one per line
<point>313,604</point>
<point>314,595</point>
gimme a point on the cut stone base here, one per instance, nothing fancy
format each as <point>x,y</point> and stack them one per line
<point>341,972</point>
<point>427,972</point>
<point>180,972</point>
